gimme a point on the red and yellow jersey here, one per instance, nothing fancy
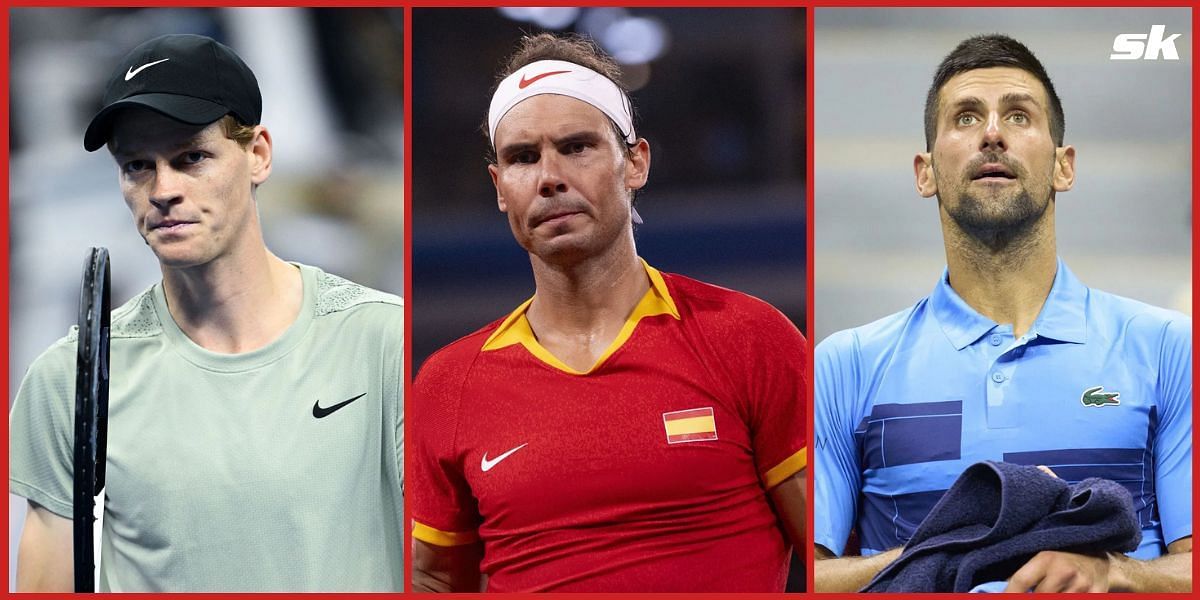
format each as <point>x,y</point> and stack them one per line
<point>648,472</point>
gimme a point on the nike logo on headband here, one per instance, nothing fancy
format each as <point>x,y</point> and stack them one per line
<point>524,83</point>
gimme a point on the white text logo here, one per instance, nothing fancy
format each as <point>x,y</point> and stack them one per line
<point>1132,46</point>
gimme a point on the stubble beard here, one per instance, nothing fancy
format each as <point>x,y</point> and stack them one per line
<point>998,228</point>
<point>570,248</point>
<point>999,222</point>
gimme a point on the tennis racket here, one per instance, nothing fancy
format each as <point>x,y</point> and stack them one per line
<point>91,411</point>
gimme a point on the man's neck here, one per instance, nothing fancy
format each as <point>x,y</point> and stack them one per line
<point>579,309</point>
<point>1007,283</point>
<point>233,306</point>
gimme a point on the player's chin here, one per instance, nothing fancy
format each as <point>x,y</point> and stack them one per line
<point>178,255</point>
<point>563,248</point>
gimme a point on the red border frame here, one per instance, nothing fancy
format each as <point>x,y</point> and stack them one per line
<point>4,252</point>
<point>408,322</point>
<point>407,6</point>
<point>809,274</point>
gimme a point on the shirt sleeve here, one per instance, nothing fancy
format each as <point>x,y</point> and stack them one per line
<point>444,511</point>
<point>42,433</point>
<point>777,383</point>
<point>1173,442</point>
<point>837,479</point>
<point>394,386</point>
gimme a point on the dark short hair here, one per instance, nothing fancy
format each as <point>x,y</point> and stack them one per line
<point>986,51</point>
<point>568,47</point>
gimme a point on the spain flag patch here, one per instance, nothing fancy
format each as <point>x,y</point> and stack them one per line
<point>692,425</point>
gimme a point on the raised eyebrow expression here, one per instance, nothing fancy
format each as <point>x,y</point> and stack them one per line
<point>565,144</point>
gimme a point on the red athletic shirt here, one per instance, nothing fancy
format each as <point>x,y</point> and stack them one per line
<point>646,473</point>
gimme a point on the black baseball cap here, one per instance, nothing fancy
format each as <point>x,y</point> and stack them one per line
<point>190,78</point>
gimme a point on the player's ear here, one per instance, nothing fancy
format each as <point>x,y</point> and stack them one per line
<point>923,170</point>
<point>637,165</point>
<point>500,202</point>
<point>1064,168</point>
<point>260,155</point>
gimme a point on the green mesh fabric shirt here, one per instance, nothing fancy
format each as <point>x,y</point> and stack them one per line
<point>278,469</point>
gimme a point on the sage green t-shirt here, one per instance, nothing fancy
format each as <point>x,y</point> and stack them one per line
<point>273,470</point>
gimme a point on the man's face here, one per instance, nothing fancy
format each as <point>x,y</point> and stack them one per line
<point>564,179</point>
<point>189,187</point>
<point>994,166</point>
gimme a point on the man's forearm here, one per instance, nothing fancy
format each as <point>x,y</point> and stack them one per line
<point>851,573</point>
<point>1170,573</point>
<point>446,568</point>
<point>44,559</point>
<point>423,581</point>
<point>788,498</point>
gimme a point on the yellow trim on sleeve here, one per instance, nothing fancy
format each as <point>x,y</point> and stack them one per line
<point>790,466</point>
<point>438,537</point>
<point>515,329</point>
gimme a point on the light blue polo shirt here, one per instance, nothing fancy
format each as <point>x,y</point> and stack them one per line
<point>1100,386</point>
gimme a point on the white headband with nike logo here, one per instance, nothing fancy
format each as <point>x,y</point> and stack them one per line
<point>567,79</point>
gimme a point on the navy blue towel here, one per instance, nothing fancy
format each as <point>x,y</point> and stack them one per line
<point>997,516</point>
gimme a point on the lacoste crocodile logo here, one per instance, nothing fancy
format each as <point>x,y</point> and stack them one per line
<point>1096,396</point>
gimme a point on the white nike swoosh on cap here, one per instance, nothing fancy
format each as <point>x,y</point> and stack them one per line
<point>487,465</point>
<point>133,72</point>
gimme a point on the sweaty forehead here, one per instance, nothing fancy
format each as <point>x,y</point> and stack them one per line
<point>548,115</point>
<point>990,85</point>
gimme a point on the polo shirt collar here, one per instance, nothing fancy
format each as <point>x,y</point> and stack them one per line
<point>515,329</point>
<point>1063,316</point>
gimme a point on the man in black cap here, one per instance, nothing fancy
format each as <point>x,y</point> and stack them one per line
<point>255,421</point>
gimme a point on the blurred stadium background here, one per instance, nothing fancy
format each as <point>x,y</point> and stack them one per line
<point>1125,227</point>
<point>332,84</point>
<point>720,96</point>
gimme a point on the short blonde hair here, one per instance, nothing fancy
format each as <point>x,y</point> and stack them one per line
<point>242,134</point>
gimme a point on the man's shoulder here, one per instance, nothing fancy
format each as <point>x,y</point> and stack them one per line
<point>875,337</point>
<point>719,306</point>
<point>335,294</point>
<point>734,326</point>
<point>136,318</point>
<point>461,352</point>
<point>1134,316</point>
<point>56,360</point>
<point>445,372</point>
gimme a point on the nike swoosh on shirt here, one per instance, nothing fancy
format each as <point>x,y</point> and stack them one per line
<point>321,413</point>
<point>524,83</point>
<point>132,72</point>
<point>487,465</point>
